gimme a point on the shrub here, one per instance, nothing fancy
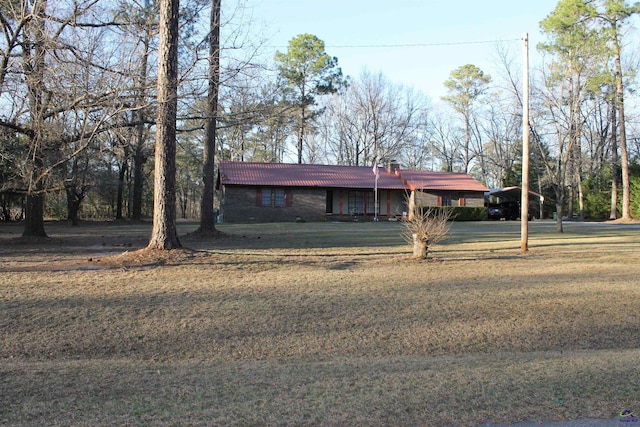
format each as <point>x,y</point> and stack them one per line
<point>634,197</point>
<point>456,213</point>
<point>597,195</point>
<point>597,205</point>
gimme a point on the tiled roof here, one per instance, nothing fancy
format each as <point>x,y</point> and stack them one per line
<point>359,177</point>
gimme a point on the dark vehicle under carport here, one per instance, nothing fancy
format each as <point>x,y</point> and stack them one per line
<point>504,210</point>
<point>504,203</point>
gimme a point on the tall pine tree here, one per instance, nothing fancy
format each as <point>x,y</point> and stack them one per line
<point>164,234</point>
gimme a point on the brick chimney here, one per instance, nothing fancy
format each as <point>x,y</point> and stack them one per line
<point>393,167</point>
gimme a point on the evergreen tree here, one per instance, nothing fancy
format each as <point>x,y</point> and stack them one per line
<point>307,71</point>
<point>466,86</point>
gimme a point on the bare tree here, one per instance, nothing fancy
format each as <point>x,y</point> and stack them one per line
<point>501,152</point>
<point>418,153</point>
<point>373,119</point>
<point>425,228</point>
<point>50,54</point>
<point>144,25</point>
<point>447,142</point>
<point>34,59</point>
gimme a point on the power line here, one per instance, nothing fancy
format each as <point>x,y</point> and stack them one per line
<point>377,46</point>
<point>422,44</point>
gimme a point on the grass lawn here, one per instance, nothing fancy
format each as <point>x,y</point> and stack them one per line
<point>319,324</point>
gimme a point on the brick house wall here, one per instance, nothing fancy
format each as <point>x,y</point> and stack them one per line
<point>242,204</point>
<point>426,199</point>
<point>474,199</point>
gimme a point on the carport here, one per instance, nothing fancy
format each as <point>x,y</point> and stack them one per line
<point>513,194</point>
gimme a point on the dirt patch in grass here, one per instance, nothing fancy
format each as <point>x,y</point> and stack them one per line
<point>263,328</point>
<point>147,257</point>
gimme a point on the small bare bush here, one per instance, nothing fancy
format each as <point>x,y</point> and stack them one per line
<point>426,228</point>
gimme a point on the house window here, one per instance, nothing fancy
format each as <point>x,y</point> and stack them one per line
<point>265,199</point>
<point>356,202</point>
<point>273,197</point>
<point>278,196</point>
<point>446,200</point>
<point>359,200</point>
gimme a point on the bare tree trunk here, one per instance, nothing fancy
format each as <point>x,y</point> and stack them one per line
<point>35,60</point>
<point>559,209</point>
<point>626,189</point>
<point>467,140</point>
<point>140,157</point>
<point>164,233</point>
<point>573,151</point>
<point>614,166</point>
<point>303,122</point>
<point>540,192</point>
<point>207,212</point>
<point>121,177</point>
<point>578,170</point>
<point>74,201</point>
<point>34,216</point>
<point>570,202</point>
<point>420,247</point>
<point>580,200</point>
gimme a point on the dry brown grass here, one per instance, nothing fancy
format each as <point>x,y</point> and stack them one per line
<point>318,324</point>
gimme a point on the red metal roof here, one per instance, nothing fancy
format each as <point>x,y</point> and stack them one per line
<point>361,177</point>
<point>445,181</point>
<point>296,175</point>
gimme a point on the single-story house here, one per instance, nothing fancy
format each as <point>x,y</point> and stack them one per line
<point>272,192</point>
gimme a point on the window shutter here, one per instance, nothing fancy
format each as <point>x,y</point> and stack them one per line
<point>259,197</point>
<point>287,198</point>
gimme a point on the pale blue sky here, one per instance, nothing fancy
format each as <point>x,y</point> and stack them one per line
<point>447,33</point>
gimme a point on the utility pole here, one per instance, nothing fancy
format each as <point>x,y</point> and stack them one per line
<point>524,200</point>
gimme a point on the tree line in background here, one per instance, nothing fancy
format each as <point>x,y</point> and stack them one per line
<point>78,103</point>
